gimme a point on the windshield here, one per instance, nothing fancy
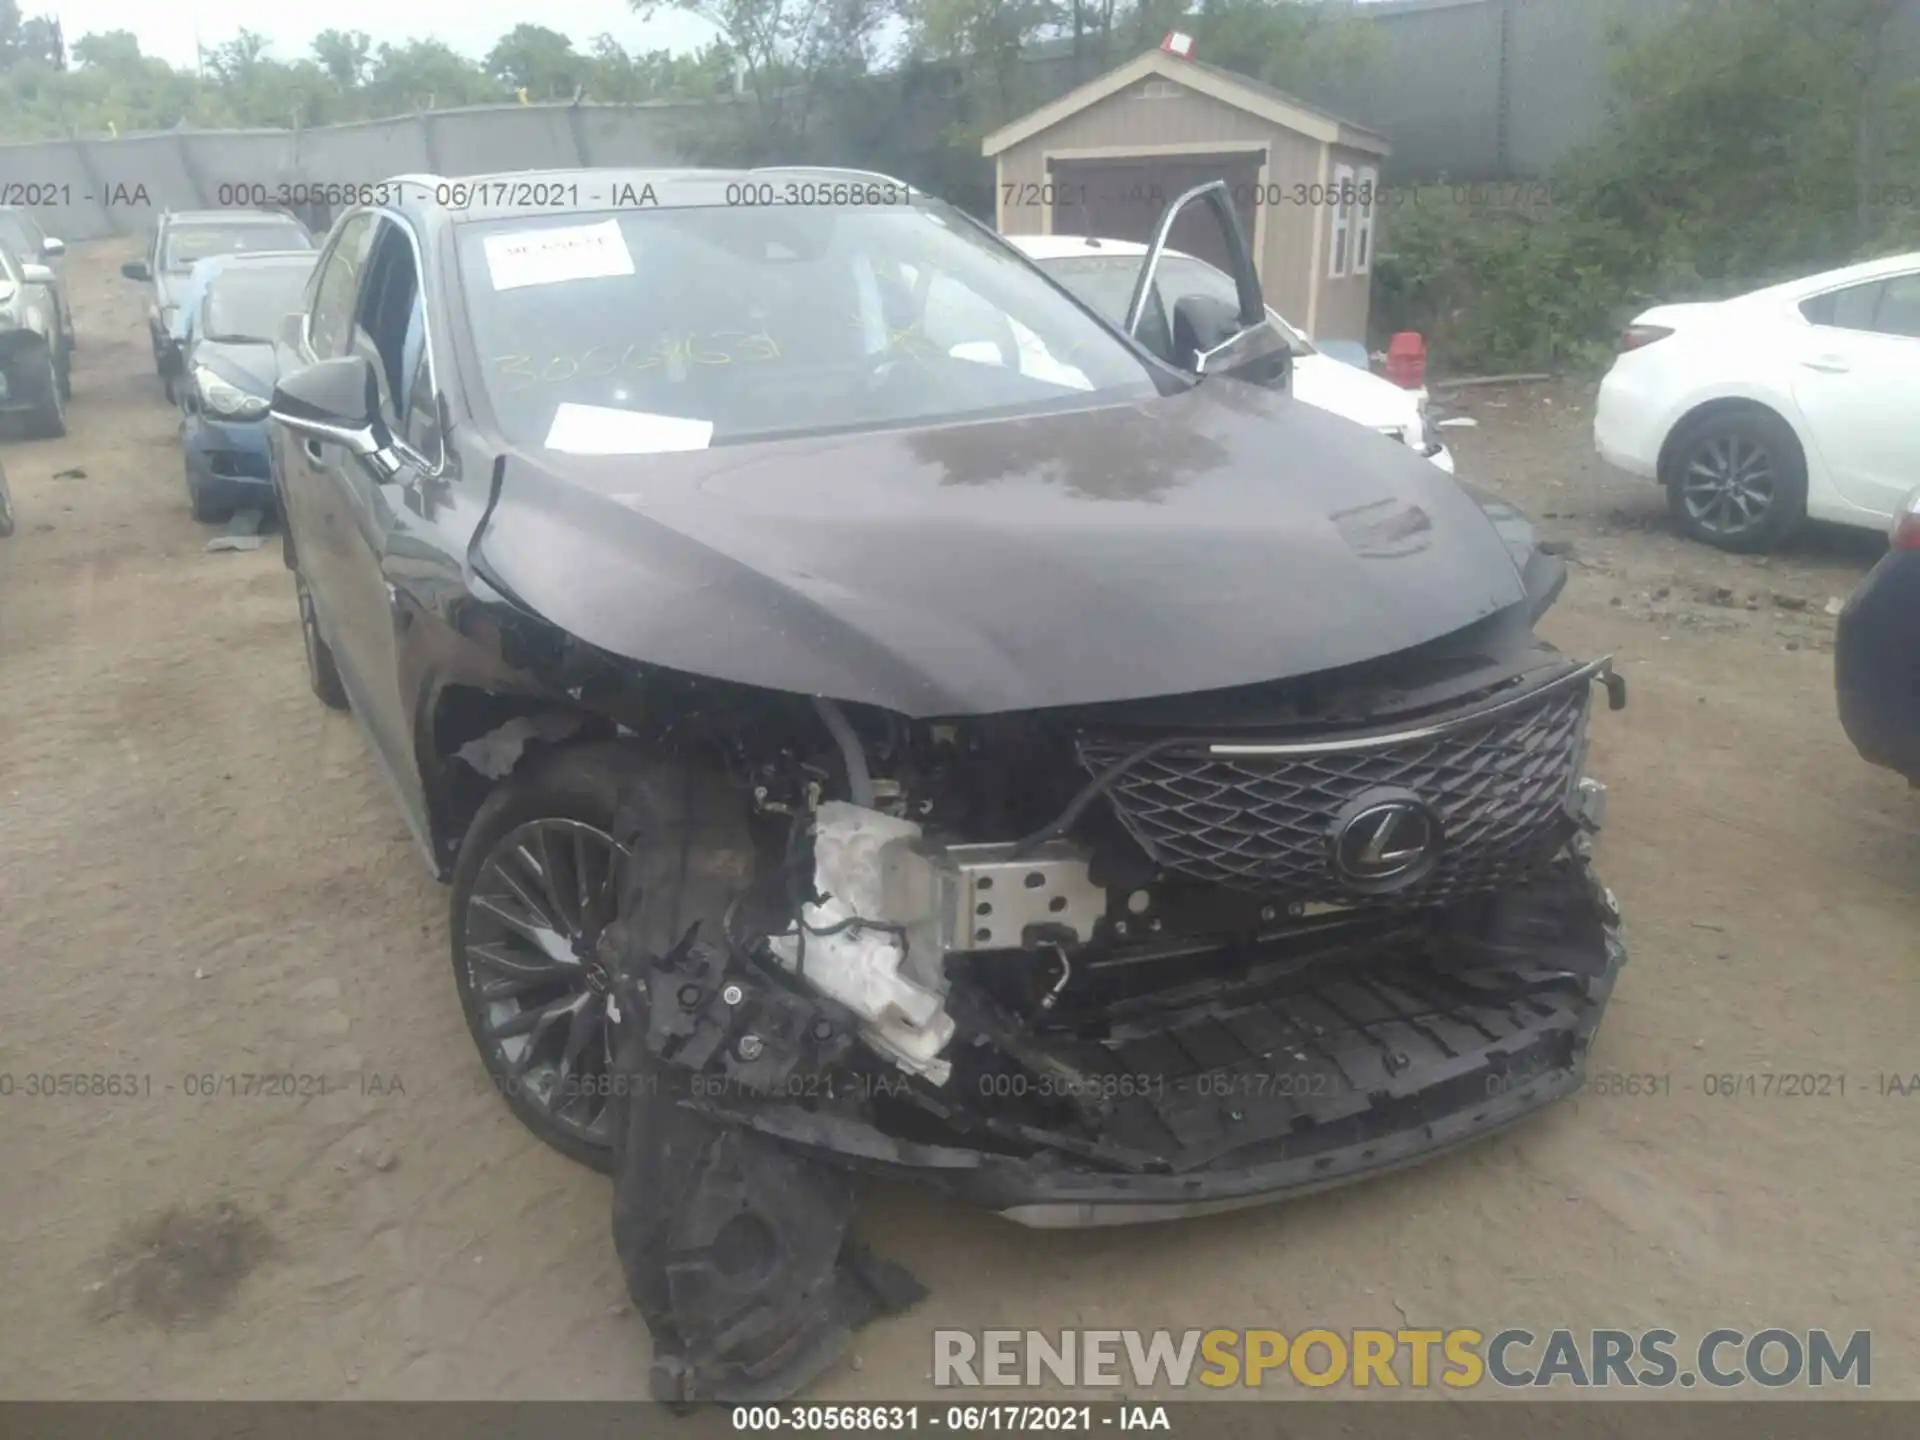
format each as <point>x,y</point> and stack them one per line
<point>19,235</point>
<point>684,327</point>
<point>188,243</point>
<point>248,302</point>
<point>1106,283</point>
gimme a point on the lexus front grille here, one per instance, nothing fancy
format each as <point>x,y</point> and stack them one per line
<point>1498,778</point>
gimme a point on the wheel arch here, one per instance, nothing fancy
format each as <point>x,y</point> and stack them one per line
<point>509,730</point>
<point>1728,405</point>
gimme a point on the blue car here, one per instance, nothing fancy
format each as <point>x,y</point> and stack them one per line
<point>228,378</point>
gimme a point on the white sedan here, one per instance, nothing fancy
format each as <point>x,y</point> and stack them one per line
<point>1101,274</point>
<point>1800,400</point>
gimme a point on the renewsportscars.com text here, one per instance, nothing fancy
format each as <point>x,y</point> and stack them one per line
<point>1457,1359</point>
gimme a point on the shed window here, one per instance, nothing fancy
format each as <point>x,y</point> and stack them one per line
<point>1342,201</point>
<point>1364,200</point>
<point>1159,90</point>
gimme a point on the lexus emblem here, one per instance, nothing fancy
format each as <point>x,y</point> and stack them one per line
<point>1385,840</point>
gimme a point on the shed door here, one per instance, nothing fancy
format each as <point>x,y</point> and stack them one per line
<point>1123,199</point>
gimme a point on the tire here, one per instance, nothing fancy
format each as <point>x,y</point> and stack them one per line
<point>48,419</point>
<point>6,506</point>
<point>167,389</point>
<point>66,375</point>
<point>205,511</point>
<point>1737,480</point>
<point>322,674</point>
<point>565,806</point>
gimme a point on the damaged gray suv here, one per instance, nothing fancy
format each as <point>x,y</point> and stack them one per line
<point>877,717</point>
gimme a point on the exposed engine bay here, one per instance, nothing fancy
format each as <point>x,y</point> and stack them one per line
<point>1089,969</point>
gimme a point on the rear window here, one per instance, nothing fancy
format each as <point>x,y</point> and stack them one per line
<point>188,243</point>
<point>1848,309</point>
<point>247,303</point>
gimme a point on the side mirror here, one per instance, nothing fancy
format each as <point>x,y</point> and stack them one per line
<point>36,274</point>
<point>137,270</point>
<point>51,246</point>
<point>1201,323</point>
<point>1210,340</point>
<point>1211,335</point>
<point>336,400</point>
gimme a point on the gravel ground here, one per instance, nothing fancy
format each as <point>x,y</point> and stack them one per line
<point>202,876</point>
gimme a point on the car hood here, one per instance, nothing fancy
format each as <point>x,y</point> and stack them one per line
<point>1219,536</point>
<point>245,363</point>
<point>1348,391</point>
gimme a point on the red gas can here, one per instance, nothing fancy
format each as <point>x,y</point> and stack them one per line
<point>1407,359</point>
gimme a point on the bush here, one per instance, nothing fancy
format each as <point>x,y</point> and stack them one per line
<point>1752,140</point>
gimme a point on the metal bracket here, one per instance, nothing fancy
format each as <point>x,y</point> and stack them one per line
<point>989,897</point>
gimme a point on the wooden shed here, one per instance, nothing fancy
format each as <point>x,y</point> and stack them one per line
<point>1105,158</point>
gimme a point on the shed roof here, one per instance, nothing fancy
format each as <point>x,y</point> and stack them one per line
<point>1240,91</point>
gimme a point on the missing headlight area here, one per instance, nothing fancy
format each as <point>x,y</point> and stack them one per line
<point>1082,968</point>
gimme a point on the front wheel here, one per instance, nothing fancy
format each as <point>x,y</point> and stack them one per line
<point>539,878</point>
<point>1737,480</point>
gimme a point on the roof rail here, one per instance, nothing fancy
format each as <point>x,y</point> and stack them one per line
<point>832,170</point>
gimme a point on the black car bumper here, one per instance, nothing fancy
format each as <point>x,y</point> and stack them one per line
<point>1876,665</point>
<point>1372,1059</point>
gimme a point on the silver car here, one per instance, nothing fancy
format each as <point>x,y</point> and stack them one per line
<point>35,374</point>
<point>20,232</point>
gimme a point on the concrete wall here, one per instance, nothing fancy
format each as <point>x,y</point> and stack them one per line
<point>92,188</point>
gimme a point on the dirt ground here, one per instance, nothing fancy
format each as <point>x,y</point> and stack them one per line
<point>202,875</point>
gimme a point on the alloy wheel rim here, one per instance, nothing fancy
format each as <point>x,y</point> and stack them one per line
<point>1728,487</point>
<point>539,902</point>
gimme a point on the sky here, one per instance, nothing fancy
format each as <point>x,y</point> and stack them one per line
<point>469,26</point>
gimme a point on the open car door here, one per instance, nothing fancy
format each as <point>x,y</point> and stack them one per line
<point>1203,334</point>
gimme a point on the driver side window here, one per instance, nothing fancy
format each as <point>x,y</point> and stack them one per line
<point>390,330</point>
<point>336,286</point>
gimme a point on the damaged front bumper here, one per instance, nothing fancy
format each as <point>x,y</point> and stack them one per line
<point>1386,1055</point>
<point>1028,1028</point>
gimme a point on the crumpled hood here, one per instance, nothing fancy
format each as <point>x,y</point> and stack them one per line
<point>1220,536</point>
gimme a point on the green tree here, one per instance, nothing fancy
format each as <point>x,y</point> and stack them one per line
<point>426,73</point>
<point>540,61</point>
<point>1746,142</point>
<point>109,50</point>
<point>344,55</point>
<point>792,56</point>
